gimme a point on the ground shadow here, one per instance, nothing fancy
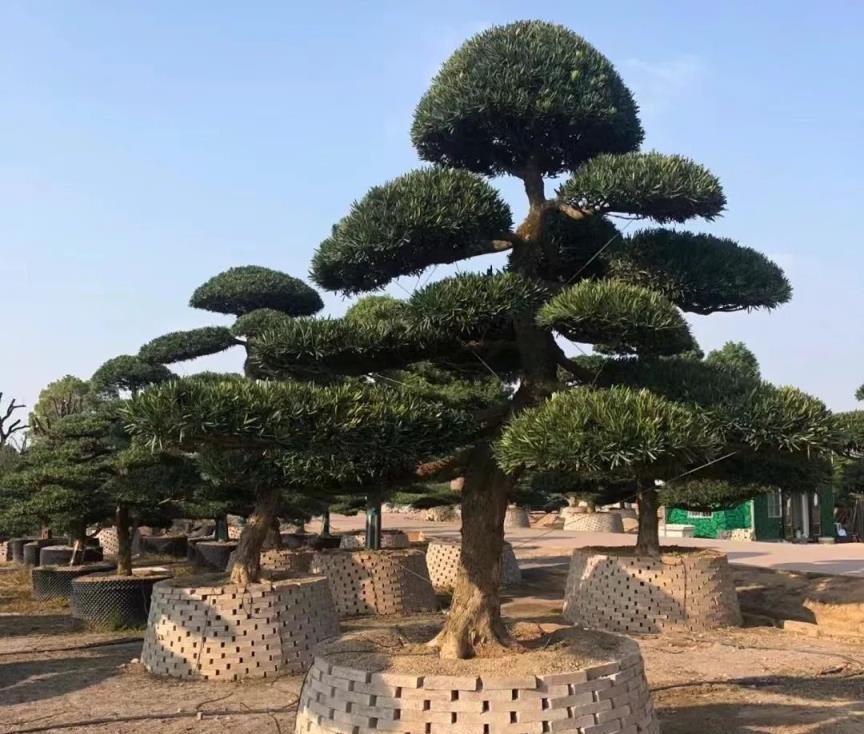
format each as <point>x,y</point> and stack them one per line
<point>18,625</point>
<point>37,680</point>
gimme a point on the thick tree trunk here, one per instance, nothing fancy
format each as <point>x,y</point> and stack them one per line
<point>275,539</point>
<point>373,522</point>
<point>45,532</point>
<point>325,523</point>
<point>78,539</point>
<point>648,539</point>
<point>124,541</point>
<point>247,558</point>
<point>475,620</point>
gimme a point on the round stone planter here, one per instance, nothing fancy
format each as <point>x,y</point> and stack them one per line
<point>376,582</point>
<point>207,628</point>
<point>165,545</point>
<point>325,542</point>
<point>290,560</point>
<point>191,549</point>
<point>57,555</point>
<point>117,601</point>
<point>215,554</point>
<point>15,548</point>
<point>107,538</point>
<point>389,539</point>
<point>33,549</point>
<point>614,589</point>
<point>56,581</point>
<point>443,556</point>
<point>596,684</point>
<point>594,522</point>
<point>516,517</point>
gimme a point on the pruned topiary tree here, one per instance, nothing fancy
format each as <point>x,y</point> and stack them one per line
<point>530,100</point>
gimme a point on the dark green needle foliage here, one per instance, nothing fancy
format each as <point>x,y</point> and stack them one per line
<point>179,346</point>
<point>623,318</point>
<point>426,217</point>
<point>239,291</point>
<point>259,321</point>
<point>700,273</point>
<point>528,93</point>
<point>127,373</point>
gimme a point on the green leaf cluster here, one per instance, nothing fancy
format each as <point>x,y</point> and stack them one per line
<point>179,346</point>
<point>242,290</point>
<point>525,94</point>
<point>426,217</point>
<point>127,373</point>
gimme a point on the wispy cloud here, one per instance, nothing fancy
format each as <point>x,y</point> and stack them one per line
<point>658,85</point>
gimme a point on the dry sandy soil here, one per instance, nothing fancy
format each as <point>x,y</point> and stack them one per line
<point>57,678</point>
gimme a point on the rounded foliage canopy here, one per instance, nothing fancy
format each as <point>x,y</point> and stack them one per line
<point>700,273</point>
<point>624,432</point>
<point>620,317</point>
<point>666,188</point>
<point>425,217</point>
<point>127,372</point>
<point>243,289</point>
<point>258,321</point>
<point>525,94</point>
<point>179,346</point>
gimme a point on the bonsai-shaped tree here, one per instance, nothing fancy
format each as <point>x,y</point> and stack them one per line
<point>60,398</point>
<point>534,101</point>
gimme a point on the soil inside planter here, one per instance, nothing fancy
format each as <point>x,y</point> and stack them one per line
<point>403,649</point>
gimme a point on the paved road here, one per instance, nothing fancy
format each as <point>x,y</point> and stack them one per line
<point>845,559</point>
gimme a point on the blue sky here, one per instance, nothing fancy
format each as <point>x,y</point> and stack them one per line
<point>147,146</point>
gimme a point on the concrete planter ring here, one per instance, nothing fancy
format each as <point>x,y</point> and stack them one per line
<point>57,555</point>
<point>592,682</point>
<point>165,545</point>
<point>214,553</point>
<point>616,590</point>
<point>117,601</point>
<point>55,582</point>
<point>376,582</point>
<point>594,522</point>
<point>516,517</point>
<point>443,557</point>
<point>204,627</point>
<point>33,549</point>
<point>15,548</point>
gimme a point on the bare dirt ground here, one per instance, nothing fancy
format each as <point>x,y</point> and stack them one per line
<point>55,677</point>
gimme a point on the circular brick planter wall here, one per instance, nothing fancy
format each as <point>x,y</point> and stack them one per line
<point>107,538</point>
<point>289,560</point>
<point>602,693</point>
<point>165,545</point>
<point>443,556</point>
<point>389,539</point>
<point>594,522</point>
<point>613,589</point>
<point>376,582</point>
<point>205,628</point>
<point>214,553</point>
<point>57,555</point>
<point>118,601</point>
<point>517,517</point>
<point>56,581</point>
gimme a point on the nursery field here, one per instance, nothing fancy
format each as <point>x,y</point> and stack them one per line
<point>55,676</point>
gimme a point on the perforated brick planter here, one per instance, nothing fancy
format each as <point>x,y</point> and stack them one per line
<point>594,522</point>
<point>206,628</point>
<point>289,560</point>
<point>117,601</point>
<point>604,692</point>
<point>443,556</point>
<point>614,589</point>
<point>516,517</point>
<point>389,539</point>
<point>57,555</point>
<point>107,538</point>
<point>165,545</point>
<point>15,548</point>
<point>376,582</point>
<point>51,582</point>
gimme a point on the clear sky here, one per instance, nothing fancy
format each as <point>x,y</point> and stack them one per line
<point>147,146</point>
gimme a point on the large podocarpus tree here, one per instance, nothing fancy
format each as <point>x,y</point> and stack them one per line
<point>535,101</point>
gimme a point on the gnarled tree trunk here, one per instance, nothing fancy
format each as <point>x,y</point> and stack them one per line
<point>124,541</point>
<point>475,621</point>
<point>247,558</point>
<point>373,522</point>
<point>648,539</point>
